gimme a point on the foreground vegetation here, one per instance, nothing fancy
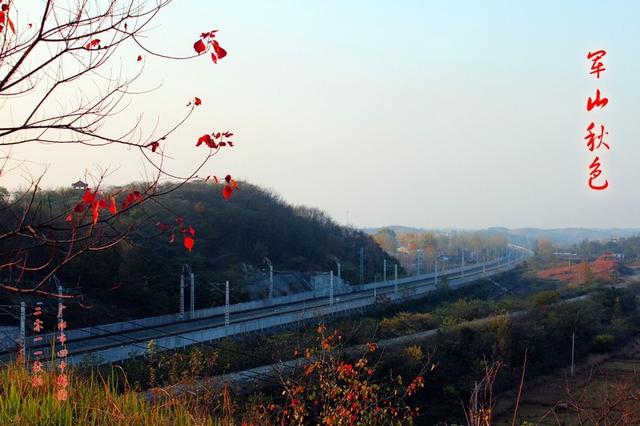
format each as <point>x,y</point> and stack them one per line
<point>329,389</point>
<point>91,401</point>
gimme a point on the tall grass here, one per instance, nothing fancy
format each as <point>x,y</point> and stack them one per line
<point>92,401</point>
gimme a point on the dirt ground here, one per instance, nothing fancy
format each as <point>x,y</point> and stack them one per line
<point>548,399</point>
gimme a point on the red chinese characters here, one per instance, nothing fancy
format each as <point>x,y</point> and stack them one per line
<point>36,365</point>
<point>62,380</point>
<point>597,66</point>
<point>595,134</point>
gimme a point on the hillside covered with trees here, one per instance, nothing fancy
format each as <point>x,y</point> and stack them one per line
<point>232,238</point>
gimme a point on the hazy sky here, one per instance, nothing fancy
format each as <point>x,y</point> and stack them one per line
<point>432,114</point>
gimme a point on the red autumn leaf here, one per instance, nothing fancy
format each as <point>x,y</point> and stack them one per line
<point>234,184</point>
<point>131,198</point>
<point>113,209</point>
<point>219,50</point>
<point>96,212</point>
<point>5,7</point>
<point>216,180</point>
<point>223,144</point>
<point>2,16</point>
<point>139,58</point>
<point>198,101</point>
<point>88,197</point>
<point>153,146</point>
<point>213,58</point>
<point>227,178</point>
<point>230,143</point>
<point>93,43</point>
<point>192,231</point>
<point>199,46</point>
<point>218,135</point>
<point>69,218</point>
<point>79,208</point>
<point>227,134</point>
<point>188,243</point>
<point>226,192</point>
<point>205,138</point>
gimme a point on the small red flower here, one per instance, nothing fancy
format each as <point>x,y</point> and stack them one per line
<point>62,395</point>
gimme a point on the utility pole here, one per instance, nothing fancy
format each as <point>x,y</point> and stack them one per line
<point>395,272</point>
<point>226,304</point>
<point>384,271</point>
<point>462,264</point>
<point>268,262</point>
<point>573,351</point>
<point>331,288</point>
<point>361,265</point>
<point>23,330</point>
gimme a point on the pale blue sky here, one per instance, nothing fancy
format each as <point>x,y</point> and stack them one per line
<point>433,114</point>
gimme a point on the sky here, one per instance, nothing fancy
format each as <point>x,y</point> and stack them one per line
<point>450,114</point>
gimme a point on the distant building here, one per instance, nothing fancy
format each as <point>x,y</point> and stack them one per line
<point>80,185</point>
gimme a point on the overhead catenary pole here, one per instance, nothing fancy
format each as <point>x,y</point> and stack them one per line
<point>226,304</point>
<point>192,294</point>
<point>384,270</point>
<point>268,262</point>
<point>331,287</point>
<point>435,275</point>
<point>23,330</point>
<point>462,264</point>
<point>395,273</point>
<point>484,262</point>
<point>361,265</point>
<point>573,351</point>
<point>181,296</point>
